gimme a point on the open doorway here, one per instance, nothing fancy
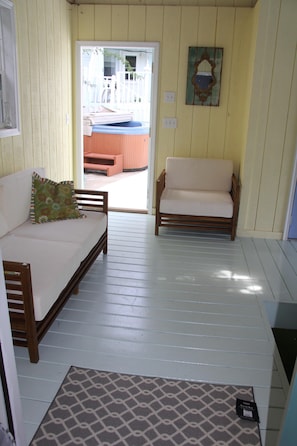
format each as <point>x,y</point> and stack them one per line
<point>116,111</point>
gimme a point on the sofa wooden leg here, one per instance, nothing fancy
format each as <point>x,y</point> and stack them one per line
<point>157,222</point>
<point>233,234</point>
<point>33,353</point>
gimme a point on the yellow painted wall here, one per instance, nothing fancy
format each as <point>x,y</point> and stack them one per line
<point>202,131</point>
<point>272,127</point>
<point>256,123</point>
<point>44,65</point>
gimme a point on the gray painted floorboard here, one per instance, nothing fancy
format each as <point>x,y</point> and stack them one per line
<point>181,305</point>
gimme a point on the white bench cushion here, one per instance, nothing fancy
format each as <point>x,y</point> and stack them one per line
<point>54,251</point>
<point>83,231</point>
<point>199,174</point>
<point>198,203</point>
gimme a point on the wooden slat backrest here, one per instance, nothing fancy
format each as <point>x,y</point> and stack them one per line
<point>90,200</point>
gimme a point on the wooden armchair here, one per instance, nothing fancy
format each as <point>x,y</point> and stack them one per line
<point>196,193</point>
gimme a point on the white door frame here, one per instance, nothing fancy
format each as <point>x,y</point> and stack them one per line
<point>79,171</point>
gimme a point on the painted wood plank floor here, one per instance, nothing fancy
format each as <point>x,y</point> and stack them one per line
<point>181,305</point>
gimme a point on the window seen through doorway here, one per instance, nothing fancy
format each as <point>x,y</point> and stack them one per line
<point>130,62</point>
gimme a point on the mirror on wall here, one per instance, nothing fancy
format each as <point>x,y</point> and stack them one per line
<point>204,76</point>
<point>9,108</point>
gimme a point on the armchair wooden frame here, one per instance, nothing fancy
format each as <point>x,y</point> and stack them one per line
<point>202,223</point>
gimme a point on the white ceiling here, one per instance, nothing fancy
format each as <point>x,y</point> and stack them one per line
<point>237,3</point>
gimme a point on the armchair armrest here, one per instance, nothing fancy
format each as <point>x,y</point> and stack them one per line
<point>235,191</point>
<point>160,186</point>
<point>235,188</point>
<point>235,194</point>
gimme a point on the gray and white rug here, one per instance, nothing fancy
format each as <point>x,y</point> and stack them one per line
<point>95,408</point>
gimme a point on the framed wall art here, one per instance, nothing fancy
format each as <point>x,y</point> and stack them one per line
<point>204,76</point>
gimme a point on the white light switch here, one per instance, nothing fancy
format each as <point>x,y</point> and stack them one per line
<point>169,96</point>
<point>169,123</point>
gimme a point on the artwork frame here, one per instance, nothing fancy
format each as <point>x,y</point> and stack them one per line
<point>204,76</point>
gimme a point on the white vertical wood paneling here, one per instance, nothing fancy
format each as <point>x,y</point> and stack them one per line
<point>272,135</point>
<point>185,145</point>
<point>103,23</point>
<point>249,126</point>
<point>264,159</point>
<point>154,23</point>
<point>66,103</point>
<point>120,22</point>
<point>136,20</point>
<point>44,62</point>
<point>34,83</point>
<point>168,80</point>
<point>86,23</point>
<point>24,78</point>
<point>201,115</point>
<point>224,36</point>
<point>285,54</point>
<point>239,86</point>
<point>43,80</point>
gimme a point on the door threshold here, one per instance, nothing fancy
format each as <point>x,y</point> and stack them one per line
<point>135,211</point>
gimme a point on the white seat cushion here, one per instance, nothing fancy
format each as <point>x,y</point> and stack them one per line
<point>198,203</point>
<point>83,231</point>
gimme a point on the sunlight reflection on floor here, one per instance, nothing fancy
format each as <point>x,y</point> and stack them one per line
<point>126,190</point>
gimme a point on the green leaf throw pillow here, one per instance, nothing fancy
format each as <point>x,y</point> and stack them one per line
<point>51,201</point>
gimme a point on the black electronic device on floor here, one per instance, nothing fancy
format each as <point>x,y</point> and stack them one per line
<point>247,410</point>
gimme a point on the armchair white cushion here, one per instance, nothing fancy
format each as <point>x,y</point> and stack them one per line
<point>199,174</point>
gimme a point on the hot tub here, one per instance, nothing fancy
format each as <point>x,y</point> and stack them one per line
<point>129,139</point>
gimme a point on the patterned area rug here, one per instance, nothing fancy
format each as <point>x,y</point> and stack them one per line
<point>95,408</point>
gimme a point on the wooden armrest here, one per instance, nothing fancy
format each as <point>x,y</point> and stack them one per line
<point>235,194</point>
<point>235,189</point>
<point>18,284</point>
<point>92,200</point>
<point>160,186</point>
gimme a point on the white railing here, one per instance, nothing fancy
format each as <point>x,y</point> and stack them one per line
<point>126,91</point>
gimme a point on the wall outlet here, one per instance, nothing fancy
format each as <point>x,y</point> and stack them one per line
<point>169,96</point>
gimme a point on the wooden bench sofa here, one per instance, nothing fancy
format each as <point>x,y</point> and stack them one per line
<point>44,263</point>
<point>197,193</point>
